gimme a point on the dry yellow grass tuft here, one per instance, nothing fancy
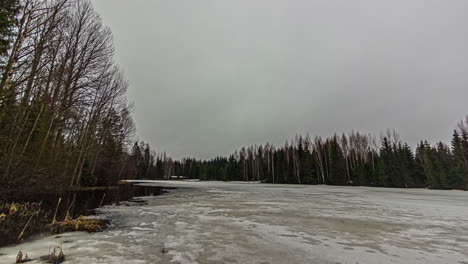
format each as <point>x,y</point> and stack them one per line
<point>82,223</point>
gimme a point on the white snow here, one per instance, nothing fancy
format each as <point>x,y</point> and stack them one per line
<point>216,222</point>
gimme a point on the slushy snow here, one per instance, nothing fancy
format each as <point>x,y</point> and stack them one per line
<point>217,222</point>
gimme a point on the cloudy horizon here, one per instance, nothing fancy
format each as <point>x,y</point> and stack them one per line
<point>208,77</point>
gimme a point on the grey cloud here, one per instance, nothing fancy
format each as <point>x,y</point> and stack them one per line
<point>210,76</point>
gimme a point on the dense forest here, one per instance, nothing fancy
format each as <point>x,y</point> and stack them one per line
<point>65,121</point>
<point>354,159</point>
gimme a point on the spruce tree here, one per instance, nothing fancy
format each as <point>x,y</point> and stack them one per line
<point>307,167</point>
<point>459,173</point>
<point>398,172</point>
<point>406,165</point>
<point>429,162</point>
<point>137,158</point>
<point>384,171</point>
<point>8,11</point>
<point>443,164</point>
<point>464,144</point>
<point>361,173</point>
<point>337,163</point>
<point>436,165</point>
<point>418,171</point>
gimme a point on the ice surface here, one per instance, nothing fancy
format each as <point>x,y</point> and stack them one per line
<point>216,222</point>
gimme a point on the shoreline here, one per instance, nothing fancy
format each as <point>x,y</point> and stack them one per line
<point>25,216</point>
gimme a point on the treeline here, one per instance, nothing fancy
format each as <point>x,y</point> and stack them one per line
<point>144,163</point>
<point>354,159</point>
<point>64,116</point>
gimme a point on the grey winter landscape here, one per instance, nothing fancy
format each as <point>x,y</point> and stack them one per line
<point>233,131</point>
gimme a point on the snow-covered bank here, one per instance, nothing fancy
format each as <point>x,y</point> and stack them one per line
<point>217,222</point>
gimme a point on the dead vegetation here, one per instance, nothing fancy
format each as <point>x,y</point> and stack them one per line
<point>21,220</point>
<point>82,223</point>
<point>18,220</point>
<point>22,259</point>
<point>55,255</point>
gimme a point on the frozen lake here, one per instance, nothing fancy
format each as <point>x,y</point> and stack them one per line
<point>215,222</point>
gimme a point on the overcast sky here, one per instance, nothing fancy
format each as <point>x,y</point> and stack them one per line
<point>210,76</point>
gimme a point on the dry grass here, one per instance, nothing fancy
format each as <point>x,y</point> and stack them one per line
<point>82,223</point>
